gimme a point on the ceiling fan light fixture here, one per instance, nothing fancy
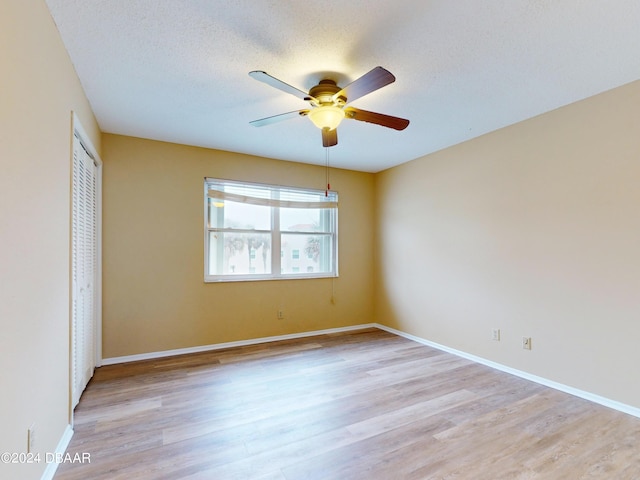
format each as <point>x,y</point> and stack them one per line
<point>326,116</point>
<point>328,101</point>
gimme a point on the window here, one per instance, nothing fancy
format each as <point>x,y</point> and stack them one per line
<point>257,232</point>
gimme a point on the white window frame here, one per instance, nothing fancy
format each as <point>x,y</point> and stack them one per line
<point>276,234</point>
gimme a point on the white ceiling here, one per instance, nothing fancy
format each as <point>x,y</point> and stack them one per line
<point>177,70</point>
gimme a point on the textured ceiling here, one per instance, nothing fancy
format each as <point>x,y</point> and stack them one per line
<point>177,70</point>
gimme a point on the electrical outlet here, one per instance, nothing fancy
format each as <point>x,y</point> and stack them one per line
<point>526,343</point>
<point>31,438</point>
<point>280,314</point>
<point>495,334</point>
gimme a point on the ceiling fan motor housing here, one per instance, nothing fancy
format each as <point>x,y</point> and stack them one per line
<point>324,92</point>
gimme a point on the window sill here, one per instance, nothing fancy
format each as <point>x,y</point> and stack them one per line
<point>246,278</point>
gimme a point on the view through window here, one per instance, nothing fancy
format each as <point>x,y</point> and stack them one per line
<point>255,231</point>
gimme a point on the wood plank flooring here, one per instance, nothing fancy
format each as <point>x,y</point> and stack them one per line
<point>359,405</point>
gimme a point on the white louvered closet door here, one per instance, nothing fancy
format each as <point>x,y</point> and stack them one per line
<point>84,269</point>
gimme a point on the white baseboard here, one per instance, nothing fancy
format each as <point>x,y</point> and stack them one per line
<point>50,471</point>
<point>219,346</point>
<point>607,402</point>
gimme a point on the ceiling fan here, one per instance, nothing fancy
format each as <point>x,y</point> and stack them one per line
<point>328,103</point>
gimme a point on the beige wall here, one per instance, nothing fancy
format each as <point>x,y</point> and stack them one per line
<point>39,89</point>
<point>533,229</point>
<point>155,298</point>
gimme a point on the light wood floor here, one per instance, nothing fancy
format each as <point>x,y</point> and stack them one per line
<point>360,405</point>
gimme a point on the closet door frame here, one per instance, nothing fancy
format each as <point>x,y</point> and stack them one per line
<point>79,131</point>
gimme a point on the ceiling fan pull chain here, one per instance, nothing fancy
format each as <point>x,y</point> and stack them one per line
<point>326,161</point>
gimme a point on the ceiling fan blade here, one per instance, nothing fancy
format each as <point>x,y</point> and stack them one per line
<point>279,84</point>
<point>367,83</point>
<point>278,118</point>
<point>378,118</point>
<point>329,137</point>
